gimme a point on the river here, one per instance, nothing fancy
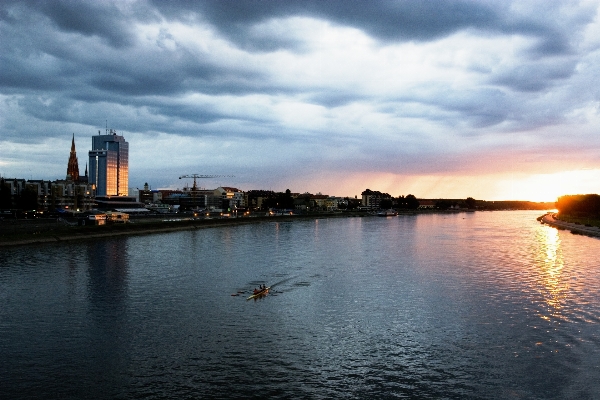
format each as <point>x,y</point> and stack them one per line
<point>457,306</point>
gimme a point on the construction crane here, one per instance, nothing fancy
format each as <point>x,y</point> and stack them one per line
<point>198,176</point>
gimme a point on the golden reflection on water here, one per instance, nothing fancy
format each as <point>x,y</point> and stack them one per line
<point>550,269</point>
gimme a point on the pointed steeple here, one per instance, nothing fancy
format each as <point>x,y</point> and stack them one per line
<point>73,167</point>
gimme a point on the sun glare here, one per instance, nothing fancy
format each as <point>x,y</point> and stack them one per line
<point>548,187</point>
<point>550,281</point>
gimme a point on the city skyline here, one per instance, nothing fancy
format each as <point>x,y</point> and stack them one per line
<point>491,100</point>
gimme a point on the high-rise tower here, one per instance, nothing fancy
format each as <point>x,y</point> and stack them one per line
<point>73,167</point>
<point>109,164</point>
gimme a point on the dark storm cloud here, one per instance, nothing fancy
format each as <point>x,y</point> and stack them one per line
<point>89,18</point>
<point>49,63</point>
<point>534,77</point>
<point>35,55</point>
<point>386,20</point>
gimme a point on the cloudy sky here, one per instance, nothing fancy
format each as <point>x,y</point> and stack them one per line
<point>496,100</point>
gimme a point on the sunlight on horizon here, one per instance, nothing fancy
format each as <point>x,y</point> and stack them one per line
<point>492,187</point>
<point>549,187</point>
<point>488,187</point>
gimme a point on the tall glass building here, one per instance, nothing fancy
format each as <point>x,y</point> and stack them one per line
<point>109,164</point>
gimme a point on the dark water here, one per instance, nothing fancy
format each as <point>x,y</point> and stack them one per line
<point>472,305</point>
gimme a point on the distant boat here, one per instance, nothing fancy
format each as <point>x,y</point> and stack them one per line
<point>387,213</point>
<point>260,293</point>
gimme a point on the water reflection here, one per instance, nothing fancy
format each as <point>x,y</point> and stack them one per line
<point>107,288</point>
<point>550,265</point>
<point>427,306</point>
<point>108,268</point>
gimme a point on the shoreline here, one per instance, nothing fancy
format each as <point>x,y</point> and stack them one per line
<point>576,229</point>
<point>71,233</point>
<point>54,232</point>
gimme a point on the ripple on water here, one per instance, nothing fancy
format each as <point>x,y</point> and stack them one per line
<point>473,305</point>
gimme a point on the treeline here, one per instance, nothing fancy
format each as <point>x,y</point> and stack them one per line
<point>514,205</point>
<point>579,205</point>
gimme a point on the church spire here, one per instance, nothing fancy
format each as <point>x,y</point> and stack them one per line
<point>73,167</point>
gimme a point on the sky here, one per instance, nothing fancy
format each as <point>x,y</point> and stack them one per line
<point>495,100</point>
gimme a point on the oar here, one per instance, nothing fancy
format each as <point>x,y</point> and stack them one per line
<point>283,281</point>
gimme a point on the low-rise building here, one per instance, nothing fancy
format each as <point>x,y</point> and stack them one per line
<point>372,199</point>
<point>231,198</point>
<point>320,201</point>
<point>253,199</point>
<point>93,217</point>
<point>117,217</point>
<point>44,195</point>
<point>427,204</point>
<point>147,195</point>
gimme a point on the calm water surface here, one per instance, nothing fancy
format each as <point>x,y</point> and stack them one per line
<point>470,305</point>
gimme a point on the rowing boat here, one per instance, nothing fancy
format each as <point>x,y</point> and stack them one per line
<point>260,293</point>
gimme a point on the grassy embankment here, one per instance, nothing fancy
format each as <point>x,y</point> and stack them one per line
<point>583,209</point>
<point>581,220</point>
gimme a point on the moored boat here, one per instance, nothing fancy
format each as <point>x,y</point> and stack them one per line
<point>387,213</point>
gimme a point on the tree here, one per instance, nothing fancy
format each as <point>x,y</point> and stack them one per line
<point>588,204</point>
<point>411,202</point>
<point>470,203</point>
<point>385,204</point>
<point>401,202</point>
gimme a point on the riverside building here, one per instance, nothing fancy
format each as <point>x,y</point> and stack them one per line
<point>109,164</point>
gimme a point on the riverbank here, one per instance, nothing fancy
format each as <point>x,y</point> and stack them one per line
<point>578,229</point>
<point>31,232</point>
<point>21,233</point>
